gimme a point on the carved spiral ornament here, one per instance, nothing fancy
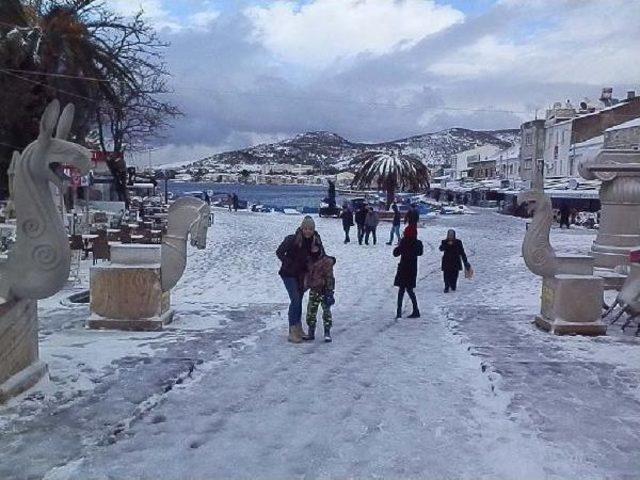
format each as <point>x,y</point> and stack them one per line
<point>32,228</point>
<point>46,257</point>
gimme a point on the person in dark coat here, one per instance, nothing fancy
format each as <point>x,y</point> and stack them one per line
<point>361,216</point>
<point>412,216</point>
<point>347,221</point>
<point>395,226</point>
<point>565,212</point>
<point>409,249</point>
<point>295,254</point>
<point>371,225</point>
<point>235,202</point>
<point>453,259</point>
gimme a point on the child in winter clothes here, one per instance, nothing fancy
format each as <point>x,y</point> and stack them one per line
<point>321,284</point>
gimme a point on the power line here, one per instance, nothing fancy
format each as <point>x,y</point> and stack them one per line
<point>60,75</point>
<point>35,82</point>
<point>352,102</point>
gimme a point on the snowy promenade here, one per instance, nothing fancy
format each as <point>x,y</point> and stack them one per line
<point>470,390</point>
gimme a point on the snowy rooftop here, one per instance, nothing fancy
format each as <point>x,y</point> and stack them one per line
<point>630,124</point>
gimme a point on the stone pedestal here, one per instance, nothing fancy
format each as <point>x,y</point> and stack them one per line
<point>20,367</point>
<point>127,293</point>
<point>572,304</point>
<point>619,233</point>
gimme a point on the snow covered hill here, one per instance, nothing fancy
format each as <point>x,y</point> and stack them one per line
<point>329,149</point>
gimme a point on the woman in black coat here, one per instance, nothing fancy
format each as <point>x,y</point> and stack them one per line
<point>452,260</point>
<point>295,254</point>
<point>409,249</point>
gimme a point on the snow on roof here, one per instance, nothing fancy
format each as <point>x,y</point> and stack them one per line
<point>592,141</point>
<point>630,124</point>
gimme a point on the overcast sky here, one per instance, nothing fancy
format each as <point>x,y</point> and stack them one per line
<point>250,71</point>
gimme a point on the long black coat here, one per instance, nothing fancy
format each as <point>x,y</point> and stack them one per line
<point>454,256</point>
<point>408,250</point>
<point>347,218</point>
<point>295,254</point>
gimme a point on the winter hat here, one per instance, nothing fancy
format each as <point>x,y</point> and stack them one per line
<point>411,232</point>
<point>307,222</point>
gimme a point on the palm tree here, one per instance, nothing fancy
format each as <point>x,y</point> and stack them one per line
<point>392,172</point>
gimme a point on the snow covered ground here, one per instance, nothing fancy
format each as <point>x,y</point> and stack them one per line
<point>470,390</point>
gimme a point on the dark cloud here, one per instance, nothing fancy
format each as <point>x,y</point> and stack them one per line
<point>234,91</point>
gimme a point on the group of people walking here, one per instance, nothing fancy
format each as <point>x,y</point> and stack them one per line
<point>366,220</point>
<point>306,266</point>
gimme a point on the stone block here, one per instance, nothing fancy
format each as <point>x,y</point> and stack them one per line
<point>572,304</point>
<point>20,367</point>
<point>128,298</point>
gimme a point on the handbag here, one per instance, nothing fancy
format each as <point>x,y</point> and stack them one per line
<point>468,273</point>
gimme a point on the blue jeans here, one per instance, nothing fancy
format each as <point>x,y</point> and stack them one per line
<point>394,229</point>
<point>295,296</point>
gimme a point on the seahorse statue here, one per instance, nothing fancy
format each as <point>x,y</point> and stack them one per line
<point>38,264</point>
<point>539,255</point>
<point>188,216</point>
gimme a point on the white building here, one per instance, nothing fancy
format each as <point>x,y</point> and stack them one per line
<point>460,165</point>
<point>507,162</point>
<point>557,144</point>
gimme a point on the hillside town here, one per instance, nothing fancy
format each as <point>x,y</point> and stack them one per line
<point>568,134</point>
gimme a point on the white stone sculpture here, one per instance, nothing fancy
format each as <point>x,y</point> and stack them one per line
<point>38,264</point>
<point>628,300</point>
<point>187,216</point>
<point>132,292</point>
<point>572,296</point>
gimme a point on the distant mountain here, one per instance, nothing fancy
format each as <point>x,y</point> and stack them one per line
<point>329,149</point>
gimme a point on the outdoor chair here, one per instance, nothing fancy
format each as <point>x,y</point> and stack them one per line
<point>76,244</point>
<point>100,250</point>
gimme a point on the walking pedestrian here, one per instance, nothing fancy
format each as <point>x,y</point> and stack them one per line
<point>361,216</point>
<point>347,221</point>
<point>235,202</point>
<point>321,284</point>
<point>295,254</point>
<point>413,215</point>
<point>230,201</point>
<point>409,249</point>
<point>395,226</point>
<point>371,224</point>
<point>453,259</point>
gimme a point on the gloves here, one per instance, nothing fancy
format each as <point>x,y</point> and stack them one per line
<point>329,299</point>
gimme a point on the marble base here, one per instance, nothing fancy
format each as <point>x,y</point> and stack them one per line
<point>572,304</point>
<point>20,367</point>
<point>559,327</point>
<point>96,322</point>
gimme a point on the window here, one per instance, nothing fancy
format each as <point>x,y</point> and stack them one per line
<point>562,137</point>
<point>528,139</point>
<point>555,152</point>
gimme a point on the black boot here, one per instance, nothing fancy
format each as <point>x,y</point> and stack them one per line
<point>327,334</point>
<point>311,334</point>
<point>399,312</point>
<point>415,313</point>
